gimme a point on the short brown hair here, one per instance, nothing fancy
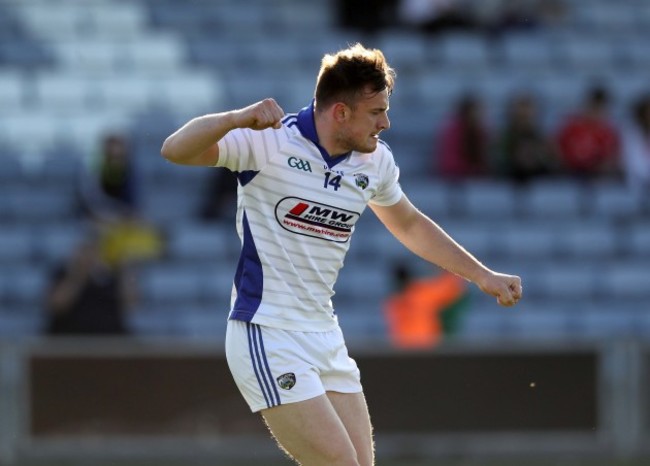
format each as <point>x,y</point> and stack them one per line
<point>343,76</point>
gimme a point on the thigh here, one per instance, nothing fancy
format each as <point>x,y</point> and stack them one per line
<point>269,367</point>
<point>312,432</point>
<point>352,409</point>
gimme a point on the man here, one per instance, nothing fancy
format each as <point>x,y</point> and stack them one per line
<point>304,181</point>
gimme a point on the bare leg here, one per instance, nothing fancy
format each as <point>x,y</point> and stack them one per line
<point>353,412</point>
<point>312,433</point>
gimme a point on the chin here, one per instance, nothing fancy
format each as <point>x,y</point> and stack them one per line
<point>367,148</point>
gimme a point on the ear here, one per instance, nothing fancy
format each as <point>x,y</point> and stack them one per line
<point>341,112</point>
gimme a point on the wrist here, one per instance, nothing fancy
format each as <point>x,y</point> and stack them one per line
<point>481,276</point>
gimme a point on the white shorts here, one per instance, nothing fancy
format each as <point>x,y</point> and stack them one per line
<point>273,366</point>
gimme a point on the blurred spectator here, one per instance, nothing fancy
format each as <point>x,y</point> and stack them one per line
<point>463,141</point>
<point>524,151</point>
<point>499,16</point>
<point>110,189</point>
<point>366,16</point>
<point>88,296</point>
<point>588,141</point>
<point>220,199</point>
<point>110,198</point>
<point>636,145</point>
<point>436,16</point>
<point>423,310</point>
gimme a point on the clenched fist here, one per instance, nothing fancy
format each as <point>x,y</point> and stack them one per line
<point>506,288</point>
<point>260,115</point>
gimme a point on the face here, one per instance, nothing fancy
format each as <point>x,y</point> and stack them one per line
<point>361,125</point>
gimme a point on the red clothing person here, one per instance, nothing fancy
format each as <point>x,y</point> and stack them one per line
<point>588,142</point>
<point>463,142</point>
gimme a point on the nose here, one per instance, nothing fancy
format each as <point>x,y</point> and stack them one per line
<point>384,122</point>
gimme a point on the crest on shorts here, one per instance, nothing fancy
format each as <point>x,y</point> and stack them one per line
<point>287,381</point>
<point>361,180</point>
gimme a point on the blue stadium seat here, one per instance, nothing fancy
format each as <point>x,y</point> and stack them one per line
<point>553,199</point>
<point>16,244</point>
<point>637,239</point>
<point>28,204</point>
<point>534,240</point>
<point>11,91</point>
<point>464,51</point>
<point>613,200</point>
<point>166,286</point>
<point>488,199</point>
<point>202,242</point>
<point>25,285</point>
<point>627,280</point>
<point>568,281</point>
<point>588,240</point>
<point>526,50</point>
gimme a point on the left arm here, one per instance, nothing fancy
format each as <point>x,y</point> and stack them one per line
<point>426,239</point>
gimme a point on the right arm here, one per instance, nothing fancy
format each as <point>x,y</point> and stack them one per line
<point>195,143</point>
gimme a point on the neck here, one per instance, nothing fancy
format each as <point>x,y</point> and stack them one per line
<point>326,135</point>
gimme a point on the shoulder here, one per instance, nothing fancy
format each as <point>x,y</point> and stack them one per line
<point>383,154</point>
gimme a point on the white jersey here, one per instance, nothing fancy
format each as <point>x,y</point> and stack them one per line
<point>296,211</point>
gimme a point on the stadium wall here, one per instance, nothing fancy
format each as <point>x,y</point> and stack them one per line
<point>88,399</point>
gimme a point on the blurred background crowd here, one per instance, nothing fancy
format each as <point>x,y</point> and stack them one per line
<point>522,127</point>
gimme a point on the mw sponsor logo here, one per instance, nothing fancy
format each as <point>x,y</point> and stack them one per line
<point>311,218</point>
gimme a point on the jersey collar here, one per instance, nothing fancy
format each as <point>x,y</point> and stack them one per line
<point>307,127</point>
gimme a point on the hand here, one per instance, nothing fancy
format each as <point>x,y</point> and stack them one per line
<point>506,288</point>
<point>261,115</point>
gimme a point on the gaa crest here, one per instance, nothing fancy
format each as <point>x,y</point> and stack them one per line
<point>361,180</point>
<point>287,381</point>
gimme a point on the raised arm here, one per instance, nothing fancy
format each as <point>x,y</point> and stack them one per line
<point>195,143</point>
<point>426,239</point>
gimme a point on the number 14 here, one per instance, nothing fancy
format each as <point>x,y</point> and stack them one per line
<point>335,181</point>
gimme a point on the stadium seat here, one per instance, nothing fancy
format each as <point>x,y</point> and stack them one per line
<point>160,54</point>
<point>553,199</point>
<point>11,91</point>
<point>440,89</point>
<point>568,281</point>
<point>28,204</point>
<point>217,283</point>
<point>613,201</point>
<point>474,237</point>
<point>529,51</point>
<point>197,242</point>
<point>606,325</point>
<point>16,245</point>
<point>403,49</point>
<point>488,199</point>
<point>601,17</point>
<point>626,280</point>
<point>47,20</point>
<point>189,94</point>
<point>58,244</point>
<point>464,51</point>
<point>63,93</point>
<point>587,54</point>
<point>431,196</point>
<point>117,21</point>
<point>97,56</point>
<point>25,285</point>
<point>532,240</point>
<point>165,286</point>
<point>204,326</point>
<point>636,240</point>
<point>17,326</point>
<point>587,240</point>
